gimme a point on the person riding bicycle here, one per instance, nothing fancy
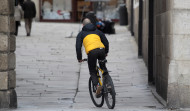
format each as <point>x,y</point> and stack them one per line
<point>96,46</point>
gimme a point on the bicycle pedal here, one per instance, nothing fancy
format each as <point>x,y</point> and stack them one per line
<point>108,86</point>
<point>98,95</point>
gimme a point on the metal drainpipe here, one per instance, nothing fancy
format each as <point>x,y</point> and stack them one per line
<point>140,28</point>
<point>132,17</point>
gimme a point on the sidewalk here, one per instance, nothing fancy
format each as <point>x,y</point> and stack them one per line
<point>48,72</point>
<point>46,67</point>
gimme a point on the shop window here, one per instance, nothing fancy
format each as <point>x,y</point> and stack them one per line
<point>108,10</point>
<point>82,8</point>
<point>56,9</point>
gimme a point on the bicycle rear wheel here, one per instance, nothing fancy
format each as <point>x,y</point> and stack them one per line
<point>98,102</point>
<point>109,92</point>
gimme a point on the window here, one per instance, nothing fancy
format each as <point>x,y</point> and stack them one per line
<point>56,9</point>
<point>108,10</point>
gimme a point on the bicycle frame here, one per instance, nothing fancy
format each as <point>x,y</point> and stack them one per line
<point>99,77</point>
<point>108,90</point>
<point>98,69</point>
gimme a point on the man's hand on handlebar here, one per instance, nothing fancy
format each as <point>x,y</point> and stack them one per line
<point>80,61</point>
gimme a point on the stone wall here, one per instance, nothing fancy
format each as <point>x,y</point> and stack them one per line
<point>136,20</point>
<point>162,45</point>
<point>128,4</point>
<point>172,54</point>
<point>145,29</point>
<point>179,71</point>
<point>136,25</point>
<point>8,98</point>
<point>135,16</point>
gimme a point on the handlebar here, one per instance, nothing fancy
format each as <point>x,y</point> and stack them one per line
<point>105,60</point>
<point>84,59</point>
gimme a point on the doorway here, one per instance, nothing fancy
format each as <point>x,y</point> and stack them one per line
<point>151,43</point>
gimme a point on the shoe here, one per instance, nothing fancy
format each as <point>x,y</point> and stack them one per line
<point>98,91</point>
<point>28,34</point>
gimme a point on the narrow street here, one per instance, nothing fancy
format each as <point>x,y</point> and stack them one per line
<point>49,78</point>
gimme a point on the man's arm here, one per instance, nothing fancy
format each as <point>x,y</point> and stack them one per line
<point>104,41</point>
<point>21,12</point>
<point>23,6</point>
<point>78,47</point>
<point>34,9</point>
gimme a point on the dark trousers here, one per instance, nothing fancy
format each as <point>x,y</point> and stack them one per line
<point>93,56</point>
<point>28,25</point>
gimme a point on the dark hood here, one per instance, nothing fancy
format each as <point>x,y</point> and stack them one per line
<point>89,27</point>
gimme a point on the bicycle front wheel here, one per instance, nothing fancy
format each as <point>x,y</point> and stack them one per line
<point>98,102</point>
<point>109,92</point>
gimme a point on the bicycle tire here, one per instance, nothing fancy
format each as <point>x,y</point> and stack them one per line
<point>92,95</point>
<point>109,91</point>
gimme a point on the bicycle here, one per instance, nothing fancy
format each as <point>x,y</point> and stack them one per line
<point>108,90</point>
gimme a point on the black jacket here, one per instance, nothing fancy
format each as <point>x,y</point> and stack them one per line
<point>87,30</point>
<point>29,9</point>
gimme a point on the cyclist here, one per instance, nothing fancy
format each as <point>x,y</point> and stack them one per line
<point>96,46</point>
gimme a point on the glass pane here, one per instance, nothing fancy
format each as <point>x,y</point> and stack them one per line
<point>108,10</point>
<point>56,9</point>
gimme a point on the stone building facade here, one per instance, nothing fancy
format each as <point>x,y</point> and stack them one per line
<point>165,42</point>
<point>8,98</point>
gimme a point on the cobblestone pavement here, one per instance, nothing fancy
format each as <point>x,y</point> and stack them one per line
<point>47,70</point>
<point>49,78</point>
